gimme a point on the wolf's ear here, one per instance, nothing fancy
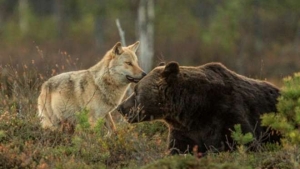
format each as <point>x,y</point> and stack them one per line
<point>170,72</point>
<point>134,46</point>
<point>117,49</point>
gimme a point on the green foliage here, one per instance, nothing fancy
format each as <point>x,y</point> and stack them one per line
<point>241,139</point>
<point>99,127</point>
<point>287,120</point>
<point>175,162</point>
<point>39,29</point>
<point>2,134</point>
<point>227,18</point>
<point>226,160</point>
<point>238,136</point>
<point>82,120</point>
<point>152,128</point>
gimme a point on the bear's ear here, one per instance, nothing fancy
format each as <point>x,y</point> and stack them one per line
<point>170,72</point>
<point>117,49</point>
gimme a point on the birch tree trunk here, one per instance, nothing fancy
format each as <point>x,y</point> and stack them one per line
<point>146,33</point>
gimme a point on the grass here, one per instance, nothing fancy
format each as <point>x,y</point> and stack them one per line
<point>24,144</point>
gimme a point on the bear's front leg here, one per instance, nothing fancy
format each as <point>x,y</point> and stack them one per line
<point>181,143</point>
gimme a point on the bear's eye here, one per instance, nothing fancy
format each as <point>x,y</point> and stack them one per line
<point>129,63</point>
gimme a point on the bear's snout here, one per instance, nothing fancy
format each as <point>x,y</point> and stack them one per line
<point>120,109</point>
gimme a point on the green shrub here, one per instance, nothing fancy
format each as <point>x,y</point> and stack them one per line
<point>287,120</point>
<point>82,120</point>
<point>239,137</point>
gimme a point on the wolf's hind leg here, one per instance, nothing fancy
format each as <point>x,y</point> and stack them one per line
<point>47,124</point>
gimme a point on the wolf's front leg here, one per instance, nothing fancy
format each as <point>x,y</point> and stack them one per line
<point>109,122</point>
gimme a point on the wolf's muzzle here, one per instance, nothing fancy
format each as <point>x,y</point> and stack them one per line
<point>135,80</point>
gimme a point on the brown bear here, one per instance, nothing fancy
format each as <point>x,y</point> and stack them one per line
<point>201,105</point>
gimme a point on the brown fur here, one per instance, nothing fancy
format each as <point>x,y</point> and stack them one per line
<point>201,104</point>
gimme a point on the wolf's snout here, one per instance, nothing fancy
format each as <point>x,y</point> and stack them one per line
<point>135,80</point>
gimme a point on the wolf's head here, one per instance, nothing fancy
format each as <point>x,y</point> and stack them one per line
<point>124,63</point>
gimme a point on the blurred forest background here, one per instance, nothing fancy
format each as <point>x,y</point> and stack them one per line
<point>259,39</point>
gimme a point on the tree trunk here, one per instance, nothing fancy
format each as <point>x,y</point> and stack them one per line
<point>121,33</point>
<point>146,33</point>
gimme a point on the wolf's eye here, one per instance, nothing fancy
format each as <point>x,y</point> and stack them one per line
<point>129,63</point>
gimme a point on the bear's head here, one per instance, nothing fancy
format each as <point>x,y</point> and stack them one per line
<point>151,97</point>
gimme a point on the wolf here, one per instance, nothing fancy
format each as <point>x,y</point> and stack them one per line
<point>98,89</point>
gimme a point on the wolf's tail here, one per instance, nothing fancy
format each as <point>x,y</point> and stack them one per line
<point>45,110</point>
